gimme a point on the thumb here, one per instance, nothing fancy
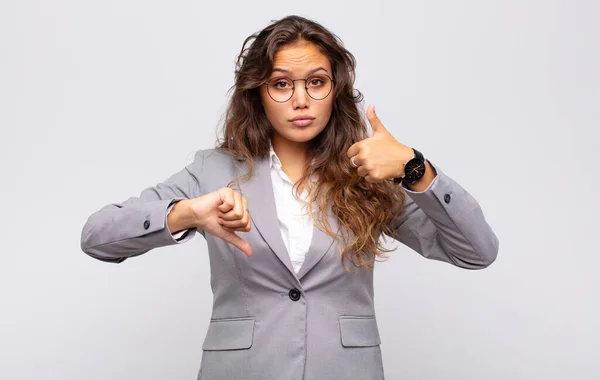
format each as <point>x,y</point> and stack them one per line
<point>231,237</point>
<point>376,124</point>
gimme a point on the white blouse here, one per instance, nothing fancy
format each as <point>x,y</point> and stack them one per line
<point>294,222</point>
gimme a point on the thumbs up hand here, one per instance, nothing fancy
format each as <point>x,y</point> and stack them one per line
<point>380,157</point>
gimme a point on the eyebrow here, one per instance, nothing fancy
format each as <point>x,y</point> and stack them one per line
<point>308,74</point>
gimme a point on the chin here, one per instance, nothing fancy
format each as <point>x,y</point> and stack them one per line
<point>303,136</point>
<point>299,135</point>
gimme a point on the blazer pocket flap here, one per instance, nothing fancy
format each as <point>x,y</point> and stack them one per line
<point>229,334</point>
<point>357,331</point>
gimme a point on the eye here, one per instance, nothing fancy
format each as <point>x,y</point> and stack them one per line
<point>316,82</point>
<point>281,83</point>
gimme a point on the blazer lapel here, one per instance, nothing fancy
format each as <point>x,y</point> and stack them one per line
<point>321,244</point>
<point>258,190</point>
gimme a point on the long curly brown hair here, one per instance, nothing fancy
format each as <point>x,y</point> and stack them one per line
<point>364,210</point>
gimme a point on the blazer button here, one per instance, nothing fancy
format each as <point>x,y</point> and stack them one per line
<point>294,294</point>
<point>447,198</point>
<point>146,224</point>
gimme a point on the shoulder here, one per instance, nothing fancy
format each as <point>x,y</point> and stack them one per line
<point>212,169</point>
<point>213,155</point>
<point>215,158</point>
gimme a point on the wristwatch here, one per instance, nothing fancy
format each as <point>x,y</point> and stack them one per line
<point>414,169</point>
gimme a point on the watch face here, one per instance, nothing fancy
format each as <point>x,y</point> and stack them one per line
<point>414,169</point>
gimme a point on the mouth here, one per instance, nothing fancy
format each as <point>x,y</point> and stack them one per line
<point>302,121</point>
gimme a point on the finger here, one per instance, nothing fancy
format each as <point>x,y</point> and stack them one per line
<point>227,200</point>
<point>230,237</point>
<point>371,179</point>
<point>237,211</point>
<point>237,224</point>
<point>355,162</point>
<point>362,171</point>
<point>353,150</point>
<point>231,220</point>
<point>231,216</point>
<point>233,224</point>
<point>246,218</point>
<point>376,124</point>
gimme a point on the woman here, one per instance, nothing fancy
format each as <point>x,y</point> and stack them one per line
<point>298,186</point>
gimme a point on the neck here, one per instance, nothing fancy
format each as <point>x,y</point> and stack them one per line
<point>292,155</point>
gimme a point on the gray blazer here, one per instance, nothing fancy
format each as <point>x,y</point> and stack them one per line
<point>269,323</point>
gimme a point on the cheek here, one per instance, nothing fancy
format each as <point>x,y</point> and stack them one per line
<point>268,106</point>
<point>274,112</point>
<point>327,107</point>
<point>272,108</point>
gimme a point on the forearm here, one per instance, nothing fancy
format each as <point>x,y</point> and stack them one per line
<point>119,231</point>
<point>446,223</point>
<point>138,224</point>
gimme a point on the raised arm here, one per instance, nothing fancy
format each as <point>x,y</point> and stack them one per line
<point>440,219</point>
<point>444,222</point>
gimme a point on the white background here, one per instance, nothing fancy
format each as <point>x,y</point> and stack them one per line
<point>99,100</point>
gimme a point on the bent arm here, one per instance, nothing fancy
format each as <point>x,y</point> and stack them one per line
<point>445,223</point>
<point>121,230</point>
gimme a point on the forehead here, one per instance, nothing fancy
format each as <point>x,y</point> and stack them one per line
<point>300,57</point>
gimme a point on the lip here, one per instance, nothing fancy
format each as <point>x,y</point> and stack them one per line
<point>302,120</point>
<point>303,117</point>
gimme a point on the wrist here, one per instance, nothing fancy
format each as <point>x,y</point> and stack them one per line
<point>405,153</point>
<point>413,169</point>
<point>425,181</point>
<point>180,218</point>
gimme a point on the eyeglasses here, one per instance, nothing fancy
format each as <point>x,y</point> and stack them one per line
<point>281,89</point>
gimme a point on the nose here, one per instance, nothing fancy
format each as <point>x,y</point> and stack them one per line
<point>300,98</point>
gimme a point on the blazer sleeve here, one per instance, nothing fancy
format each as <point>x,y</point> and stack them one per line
<point>446,223</point>
<point>121,230</point>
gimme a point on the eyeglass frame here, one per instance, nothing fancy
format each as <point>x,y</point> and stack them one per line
<point>305,86</point>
